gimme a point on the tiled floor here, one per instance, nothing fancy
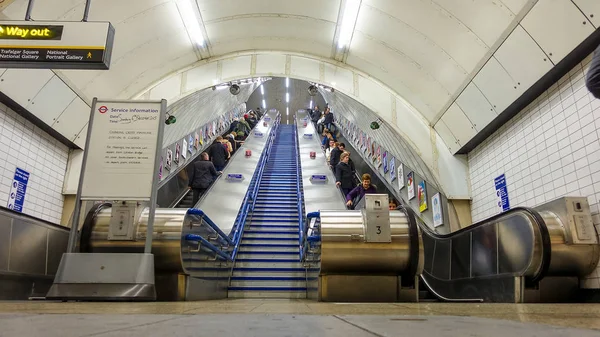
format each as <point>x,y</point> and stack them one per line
<point>296,318</point>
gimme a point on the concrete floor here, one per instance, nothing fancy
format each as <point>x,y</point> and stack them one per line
<point>296,318</point>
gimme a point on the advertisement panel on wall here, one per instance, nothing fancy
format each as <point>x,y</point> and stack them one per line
<point>422,193</point>
<point>410,182</point>
<point>121,152</point>
<point>400,176</point>
<point>436,202</point>
<point>502,193</point>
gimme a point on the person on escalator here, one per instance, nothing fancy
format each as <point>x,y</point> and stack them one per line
<point>201,175</point>
<point>359,191</point>
<point>592,79</point>
<point>329,149</point>
<point>218,154</point>
<point>343,174</point>
<point>336,154</point>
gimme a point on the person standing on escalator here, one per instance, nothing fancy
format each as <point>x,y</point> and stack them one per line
<point>217,153</point>
<point>592,79</point>
<point>202,174</point>
<point>343,174</point>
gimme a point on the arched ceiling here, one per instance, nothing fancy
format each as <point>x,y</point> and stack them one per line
<point>423,50</point>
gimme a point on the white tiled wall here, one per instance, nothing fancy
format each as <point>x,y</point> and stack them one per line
<point>549,150</point>
<point>26,146</point>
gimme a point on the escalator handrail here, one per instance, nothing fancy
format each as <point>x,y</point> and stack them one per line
<point>415,243</point>
<point>443,298</point>
<point>538,219</point>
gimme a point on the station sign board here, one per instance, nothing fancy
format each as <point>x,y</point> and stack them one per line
<point>56,45</point>
<point>122,150</point>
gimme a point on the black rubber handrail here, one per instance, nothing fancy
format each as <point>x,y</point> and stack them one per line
<point>413,230</point>
<point>545,236</point>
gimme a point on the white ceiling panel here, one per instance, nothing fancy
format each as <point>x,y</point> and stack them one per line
<point>270,63</point>
<point>515,6</point>
<point>414,78</point>
<point>405,43</point>
<point>201,77</point>
<point>73,119</point>
<point>557,26</point>
<point>477,15</point>
<point>437,25</point>
<point>51,100</point>
<point>523,59</point>
<point>22,85</point>
<point>458,123</point>
<point>476,106</point>
<point>305,68</point>
<point>496,84</point>
<point>378,97</point>
<point>591,9</point>
<point>343,78</point>
<point>234,66</point>
<point>294,45</point>
<point>168,89</point>
<point>227,9</point>
<point>447,136</point>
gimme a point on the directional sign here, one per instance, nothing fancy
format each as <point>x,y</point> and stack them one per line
<point>55,45</point>
<point>258,134</point>
<point>308,136</point>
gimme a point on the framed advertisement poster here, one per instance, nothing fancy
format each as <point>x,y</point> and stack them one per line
<point>438,218</point>
<point>169,160</point>
<point>400,176</point>
<point>177,153</point>
<point>392,168</point>
<point>422,192</point>
<point>191,144</point>
<point>184,147</point>
<point>385,162</point>
<point>410,182</point>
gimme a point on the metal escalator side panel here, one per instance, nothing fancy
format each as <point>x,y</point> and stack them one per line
<point>224,198</point>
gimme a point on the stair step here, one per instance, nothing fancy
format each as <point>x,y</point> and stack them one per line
<point>262,256</point>
<point>254,282</point>
<point>266,263</point>
<point>270,234</point>
<point>266,248</point>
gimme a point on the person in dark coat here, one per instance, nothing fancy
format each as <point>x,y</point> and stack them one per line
<point>592,80</point>
<point>217,153</point>
<point>343,174</point>
<point>359,191</point>
<point>334,157</point>
<point>202,174</point>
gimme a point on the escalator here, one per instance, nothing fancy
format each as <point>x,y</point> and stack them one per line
<point>505,259</point>
<point>268,263</point>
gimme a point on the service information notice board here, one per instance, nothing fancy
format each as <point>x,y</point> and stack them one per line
<point>121,150</point>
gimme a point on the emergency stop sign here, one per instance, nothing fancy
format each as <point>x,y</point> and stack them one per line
<point>305,123</point>
<point>313,155</point>
<point>248,153</point>
<point>264,123</point>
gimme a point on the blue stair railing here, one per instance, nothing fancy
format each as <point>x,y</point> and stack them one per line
<point>250,198</point>
<point>300,195</point>
<point>229,244</point>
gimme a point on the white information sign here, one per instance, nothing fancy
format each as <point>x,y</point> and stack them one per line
<point>438,218</point>
<point>121,150</point>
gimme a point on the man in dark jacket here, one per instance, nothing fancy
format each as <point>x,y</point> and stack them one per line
<point>217,154</point>
<point>334,157</point>
<point>593,76</point>
<point>343,174</point>
<point>202,174</point>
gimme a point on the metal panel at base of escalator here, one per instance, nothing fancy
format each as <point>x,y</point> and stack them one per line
<point>28,248</point>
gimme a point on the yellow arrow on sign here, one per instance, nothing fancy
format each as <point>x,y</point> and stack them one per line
<point>89,55</point>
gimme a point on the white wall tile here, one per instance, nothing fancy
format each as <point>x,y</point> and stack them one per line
<point>549,150</point>
<point>24,145</point>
